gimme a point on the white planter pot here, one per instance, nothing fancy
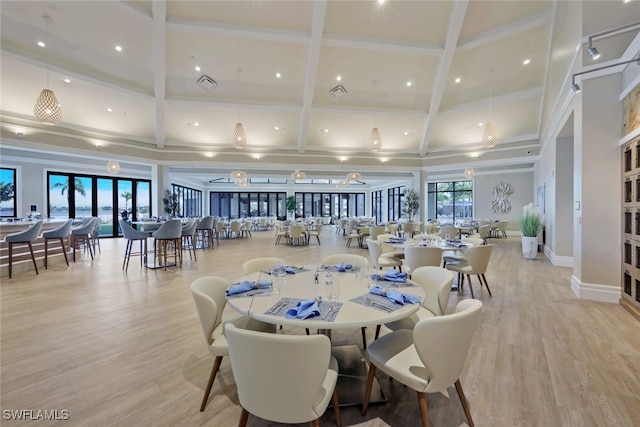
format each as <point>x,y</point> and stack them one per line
<point>529,247</point>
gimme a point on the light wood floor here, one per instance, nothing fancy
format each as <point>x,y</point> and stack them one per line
<point>126,349</point>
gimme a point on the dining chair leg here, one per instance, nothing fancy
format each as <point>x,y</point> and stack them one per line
<point>465,404</point>
<point>336,406</point>
<point>424,410</point>
<point>367,393</point>
<point>212,376</point>
<point>33,258</point>
<point>485,282</point>
<point>470,285</point>
<point>244,416</point>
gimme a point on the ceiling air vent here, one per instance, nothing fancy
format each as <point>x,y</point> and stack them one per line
<point>207,83</point>
<point>337,92</point>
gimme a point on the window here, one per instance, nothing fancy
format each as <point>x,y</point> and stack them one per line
<point>394,203</point>
<point>189,200</point>
<point>8,206</point>
<point>450,201</point>
<point>376,205</point>
<point>77,196</point>
<point>233,205</point>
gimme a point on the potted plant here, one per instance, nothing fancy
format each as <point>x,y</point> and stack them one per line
<point>530,224</point>
<point>171,203</point>
<point>410,204</point>
<point>291,206</point>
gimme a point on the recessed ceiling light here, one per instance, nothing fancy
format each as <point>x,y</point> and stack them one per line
<point>526,61</point>
<point>339,78</point>
<point>41,44</point>
<point>109,109</point>
<point>480,124</point>
<point>458,79</point>
<point>325,130</point>
<point>278,75</point>
<point>197,67</point>
<point>67,81</point>
<point>409,84</point>
<point>118,48</point>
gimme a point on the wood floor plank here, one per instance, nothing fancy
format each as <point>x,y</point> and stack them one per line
<point>118,348</point>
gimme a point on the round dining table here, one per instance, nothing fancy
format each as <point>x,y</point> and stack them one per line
<point>356,306</point>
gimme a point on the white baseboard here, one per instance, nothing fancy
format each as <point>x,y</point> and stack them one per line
<point>558,261</point>
<point>593,292</point>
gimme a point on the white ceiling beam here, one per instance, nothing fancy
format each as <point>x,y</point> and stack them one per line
<point>158,59</point>
<point>456,19</point>
<point>507,30</point>
<point>313,57</point>
<point>385,45</point>
<point>241,31</point>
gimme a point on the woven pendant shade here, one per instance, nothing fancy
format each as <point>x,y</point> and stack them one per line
<point>375,140</point>
<point>490,135</point>
<point>47,109</point>
<point>239,137</point>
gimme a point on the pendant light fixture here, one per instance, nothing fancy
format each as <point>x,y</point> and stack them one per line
<point>375,140</point>
<point>297,175</point>
<point>469,173</point>
<point>47,109</point>
<point>239,136</point>
<point>113,167</point>
<point>490,135</point>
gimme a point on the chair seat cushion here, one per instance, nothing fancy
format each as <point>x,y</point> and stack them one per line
<point>395,355</point>
<point>410,321</point>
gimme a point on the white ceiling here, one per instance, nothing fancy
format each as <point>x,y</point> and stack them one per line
<point>151,86</point>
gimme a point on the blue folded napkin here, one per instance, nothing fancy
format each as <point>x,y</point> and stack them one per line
<point>391,276</point>
<point>304,310</point>
<point>395,240</point>
<point>247,285</point>
<point>289,270</point>
<point>343,267</point>
<point>395,296</point>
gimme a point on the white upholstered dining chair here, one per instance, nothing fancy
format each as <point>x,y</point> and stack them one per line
<point>210,299</point>
<point>413,358</point>
<point>273,388</point>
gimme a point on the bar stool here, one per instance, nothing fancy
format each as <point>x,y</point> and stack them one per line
<point>27,236</point>
<point>169,232</point>
<point>132,235</point>
<point>59,233</point>
<point>82,234</point>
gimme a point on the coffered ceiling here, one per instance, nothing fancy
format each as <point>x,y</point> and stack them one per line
<point>274,64</point>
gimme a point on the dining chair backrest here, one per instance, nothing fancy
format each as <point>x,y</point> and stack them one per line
<point>260,264</point>
<point>85,228</point>
<point>269,385</point>
<point>171,229</point>
<point>420,256</point>
<point>60,232</point>
<point>353,259</point>
<point>209,295</point>
<point>205,223</point>
<point>453,333</point>
<point>436,283</point>
<point>28,235</point>
<point>130,233</point>
<point>478,258</point>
